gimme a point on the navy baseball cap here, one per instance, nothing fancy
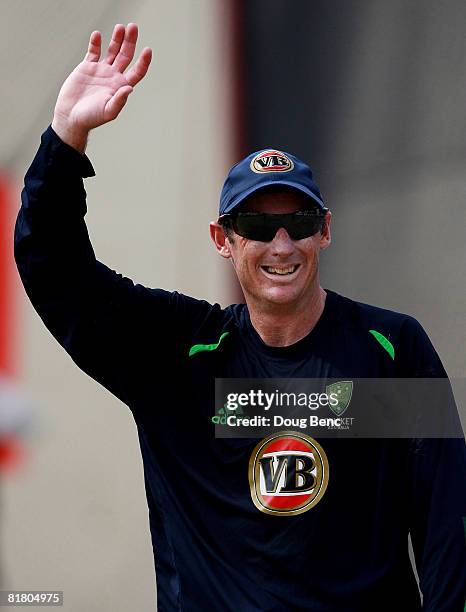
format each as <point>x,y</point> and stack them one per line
<point>262,169</point>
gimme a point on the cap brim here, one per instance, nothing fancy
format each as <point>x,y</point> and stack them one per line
<point>237,201</point>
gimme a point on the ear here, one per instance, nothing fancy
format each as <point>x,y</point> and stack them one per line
<point>222,244</point>
<point>325,237</point>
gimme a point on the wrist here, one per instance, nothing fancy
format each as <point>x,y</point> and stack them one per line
<point>72,136</point>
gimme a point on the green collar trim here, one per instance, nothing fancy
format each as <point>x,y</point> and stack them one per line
<point>385,342</point>
<point>197,348</point>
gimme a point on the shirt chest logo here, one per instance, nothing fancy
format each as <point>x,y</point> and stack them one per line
<point>288,473</point>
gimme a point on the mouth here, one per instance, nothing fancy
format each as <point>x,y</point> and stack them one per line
<point>284,271</point>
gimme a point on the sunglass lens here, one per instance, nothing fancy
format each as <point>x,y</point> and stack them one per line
<point>303,228</point>
<point>263,226</point>
<point>255,227</point>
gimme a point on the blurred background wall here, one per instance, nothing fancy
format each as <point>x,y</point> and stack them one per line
<point>370,93</point>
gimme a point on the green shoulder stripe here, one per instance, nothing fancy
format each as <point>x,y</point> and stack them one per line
<point>385,342</point>
<point>197,348</point>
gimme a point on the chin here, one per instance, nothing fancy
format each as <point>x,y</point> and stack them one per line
<point>280,295</point>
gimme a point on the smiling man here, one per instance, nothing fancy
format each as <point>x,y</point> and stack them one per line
<point>278,216</point>
<point>281,523</point>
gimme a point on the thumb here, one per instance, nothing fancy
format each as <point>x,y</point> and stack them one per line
<point>116,102</point>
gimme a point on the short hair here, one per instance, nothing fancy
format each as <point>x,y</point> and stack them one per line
<point>227,228</point>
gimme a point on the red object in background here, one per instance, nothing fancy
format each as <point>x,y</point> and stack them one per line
<point>12,454</point>
<point>7,278</point>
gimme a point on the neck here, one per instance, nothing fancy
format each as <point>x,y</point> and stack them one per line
<point>281,325</point>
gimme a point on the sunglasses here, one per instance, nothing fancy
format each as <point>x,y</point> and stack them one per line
<point>263,226</point>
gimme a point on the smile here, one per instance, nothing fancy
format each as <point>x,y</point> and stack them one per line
<point>281,270</point>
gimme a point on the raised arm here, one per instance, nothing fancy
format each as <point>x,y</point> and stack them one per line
<point>105,322</point>
<point>97,89</point>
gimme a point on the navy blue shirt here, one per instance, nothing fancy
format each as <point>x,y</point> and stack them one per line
<point>213,548</point>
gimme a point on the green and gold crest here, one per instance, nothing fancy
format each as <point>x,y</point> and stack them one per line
<point>343,389</point>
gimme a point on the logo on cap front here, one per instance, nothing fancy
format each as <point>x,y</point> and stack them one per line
<point>288,473</point>
<point>271,161</point>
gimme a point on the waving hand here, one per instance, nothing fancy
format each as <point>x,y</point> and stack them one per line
<point>97,89</point>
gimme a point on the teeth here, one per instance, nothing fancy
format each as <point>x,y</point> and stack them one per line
<point>288,270</point>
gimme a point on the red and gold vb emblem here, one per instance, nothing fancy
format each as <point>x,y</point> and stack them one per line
<point>271,161</point>
<point>288,473</point>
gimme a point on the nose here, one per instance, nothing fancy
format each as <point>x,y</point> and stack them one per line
<point>282,245</point>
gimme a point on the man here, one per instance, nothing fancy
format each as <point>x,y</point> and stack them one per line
<point>220,542</point>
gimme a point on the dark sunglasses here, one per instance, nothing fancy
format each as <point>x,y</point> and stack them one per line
<point>263,226</point>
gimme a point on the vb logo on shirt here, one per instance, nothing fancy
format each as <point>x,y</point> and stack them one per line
<point>288,473</point>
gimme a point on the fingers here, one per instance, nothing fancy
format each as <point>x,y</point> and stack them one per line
<point>121,52</point>
<point>139,70</point>
<point>127,46</point>
<point>116,102</point>
<point>93,50</point>
<point>115,44</point>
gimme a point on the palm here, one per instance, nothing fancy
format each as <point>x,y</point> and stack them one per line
<point>85,93</point>
<point>96,91</point>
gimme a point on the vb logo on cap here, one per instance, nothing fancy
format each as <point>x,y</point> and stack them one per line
<point>288,473</point>
<point>271,161</point>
